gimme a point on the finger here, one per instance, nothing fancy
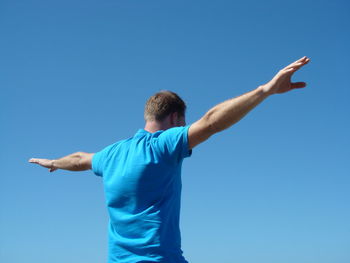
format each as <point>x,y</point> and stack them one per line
<point>299,63</point>
<point>37,161</point>
<point>300,60</point>
<point>298,85</point>
<point>303,62</point>
<point>293,69</point>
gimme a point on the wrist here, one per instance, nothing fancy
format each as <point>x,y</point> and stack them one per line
<point>264,90</point>
<point>53,166</point>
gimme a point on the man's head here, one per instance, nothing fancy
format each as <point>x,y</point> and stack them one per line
<point>166,109</point>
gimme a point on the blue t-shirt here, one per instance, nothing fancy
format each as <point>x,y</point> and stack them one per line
<point>142,184</point>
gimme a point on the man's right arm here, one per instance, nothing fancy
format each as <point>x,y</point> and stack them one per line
<point>79,161</point>
<point>227,113</point>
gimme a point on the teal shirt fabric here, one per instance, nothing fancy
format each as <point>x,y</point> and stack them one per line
<point>142,185</point>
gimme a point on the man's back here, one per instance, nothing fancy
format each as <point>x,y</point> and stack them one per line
<point>142,182</point>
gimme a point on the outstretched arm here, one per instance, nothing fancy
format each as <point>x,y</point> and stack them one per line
<point>227,113</point>
<point>78,161</point>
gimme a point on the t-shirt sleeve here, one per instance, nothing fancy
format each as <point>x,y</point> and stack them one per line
<point>99,160</point>
<point>173,143</point>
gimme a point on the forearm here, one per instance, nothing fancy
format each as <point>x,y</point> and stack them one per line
<point>70,162</point>
<point>227,113</point>
<point>78,161</point>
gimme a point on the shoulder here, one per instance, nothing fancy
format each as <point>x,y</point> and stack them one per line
<point>173,142</point>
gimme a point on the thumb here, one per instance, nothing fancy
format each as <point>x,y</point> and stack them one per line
<point>298,85</point>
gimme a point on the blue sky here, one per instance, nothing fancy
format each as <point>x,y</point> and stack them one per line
<point>74,76</point>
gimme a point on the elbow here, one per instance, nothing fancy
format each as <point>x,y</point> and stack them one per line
<point>77,161</point>
<point>210,123</point>
<point>83,161</point>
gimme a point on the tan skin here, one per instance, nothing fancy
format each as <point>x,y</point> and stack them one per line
<point>218,118</point>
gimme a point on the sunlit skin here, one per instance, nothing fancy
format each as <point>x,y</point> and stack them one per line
<point>229,112</point>
<point>218,118</point>
<point>282,83</point>
<point>172,120</point>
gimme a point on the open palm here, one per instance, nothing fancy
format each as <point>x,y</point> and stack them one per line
<point>44,163</point>
<point>281,82</point>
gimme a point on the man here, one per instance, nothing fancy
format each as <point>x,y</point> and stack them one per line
<point>142,174</point>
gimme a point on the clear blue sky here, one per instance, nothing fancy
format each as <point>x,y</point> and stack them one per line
<point>74,76</point>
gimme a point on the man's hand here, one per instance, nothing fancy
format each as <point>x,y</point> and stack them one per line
<point>281,83</point>
<point>44,163</point>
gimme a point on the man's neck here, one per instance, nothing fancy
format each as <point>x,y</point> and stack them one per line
<point>153,126</point>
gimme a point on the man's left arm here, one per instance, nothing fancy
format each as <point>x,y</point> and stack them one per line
<point>79,161</point>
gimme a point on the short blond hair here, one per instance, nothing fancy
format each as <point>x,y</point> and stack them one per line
<point>163,103</point>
